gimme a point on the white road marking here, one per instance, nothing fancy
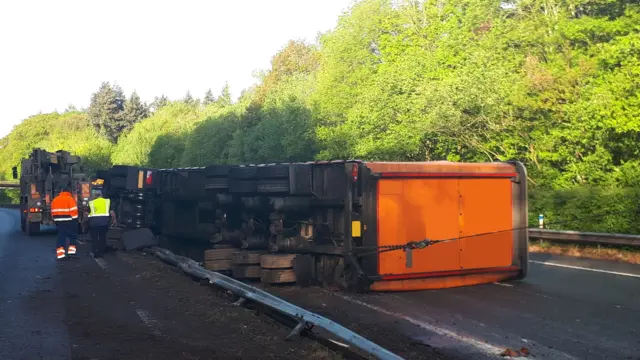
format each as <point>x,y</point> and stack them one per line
<point>149,321</point>
<point>101,262</point>
<point>485,348</point>
<point>584,268</point>
<point>503,284</point>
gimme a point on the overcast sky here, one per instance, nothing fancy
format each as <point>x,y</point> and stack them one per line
<point>56,53</point>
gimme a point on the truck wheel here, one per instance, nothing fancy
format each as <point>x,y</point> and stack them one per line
<point>32,228</point>
<point>217,184</point>
<point>273,171</point>
<point>245,172</point>
<point>273,186</point>
<point>217,171</point>
<point>242,186</point>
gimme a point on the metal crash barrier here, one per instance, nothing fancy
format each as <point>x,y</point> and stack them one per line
<point>245,292</point>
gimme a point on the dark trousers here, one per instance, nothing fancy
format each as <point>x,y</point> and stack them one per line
<point>98,239</point>
<point>67,229</point>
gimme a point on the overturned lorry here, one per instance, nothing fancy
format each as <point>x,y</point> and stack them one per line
<point>366,226</point>
<point>42,176</point>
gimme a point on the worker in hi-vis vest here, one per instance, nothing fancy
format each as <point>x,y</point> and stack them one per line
<point>100,212</point>
<point>64,211</point>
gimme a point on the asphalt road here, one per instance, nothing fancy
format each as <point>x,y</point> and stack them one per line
<point>132,307</point>
<point>32,310</point>
<point>566,308</point>
<point>126,306</point>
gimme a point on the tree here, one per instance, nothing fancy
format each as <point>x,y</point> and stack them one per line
<point>188,99</point>
<point>134,111</point>
<point>70,108</point>
<point>106,111</point>
<point>158,103</point>
<point>208,98</point>
<point>224,99</point>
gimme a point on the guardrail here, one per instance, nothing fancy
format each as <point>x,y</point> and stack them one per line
<point>10,206</point>
<point>585,237</point>
<point>305,319</point>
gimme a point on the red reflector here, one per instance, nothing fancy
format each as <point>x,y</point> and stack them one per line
<point>354,172</point>
<point>149,179</point>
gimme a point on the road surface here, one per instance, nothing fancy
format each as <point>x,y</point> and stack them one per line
<point>131,306</point>
<point>567,308</point>
<point>127,306</point>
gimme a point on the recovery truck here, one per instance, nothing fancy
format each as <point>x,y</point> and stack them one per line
<point>43,174</point>
<point>366,226</point>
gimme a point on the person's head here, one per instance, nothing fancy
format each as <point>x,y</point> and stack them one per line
<point>97,193</point>
<point>65,188</point>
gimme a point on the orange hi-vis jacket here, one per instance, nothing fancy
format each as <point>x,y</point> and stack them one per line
<point>64,207</point>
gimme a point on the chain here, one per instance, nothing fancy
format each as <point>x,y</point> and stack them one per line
<point>425,243</point>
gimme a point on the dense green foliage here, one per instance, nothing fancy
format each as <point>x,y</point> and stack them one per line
<point>552,83</point>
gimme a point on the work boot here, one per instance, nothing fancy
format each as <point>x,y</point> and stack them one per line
<point>72,251</point>
<point>60,254</point>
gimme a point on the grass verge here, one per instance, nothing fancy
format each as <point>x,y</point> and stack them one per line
<point>629,255</point>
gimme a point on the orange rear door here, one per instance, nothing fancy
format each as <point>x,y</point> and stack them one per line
<point>485,207</point>
<point>415,209</point>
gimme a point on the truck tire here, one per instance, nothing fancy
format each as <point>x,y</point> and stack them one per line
<point>246,172</point>
<point>242,186</point>
<point>32,228</point>
<point>273,186</point>
<point>217,184</point>
<point>273,172</point>
<point>217,171</point>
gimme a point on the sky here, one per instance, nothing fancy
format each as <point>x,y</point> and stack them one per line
<point>56,53</point>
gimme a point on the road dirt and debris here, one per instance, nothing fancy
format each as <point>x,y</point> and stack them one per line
<point>133,306</point>
<point>368,323</point>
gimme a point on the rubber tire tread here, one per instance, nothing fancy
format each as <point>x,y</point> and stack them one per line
<point>217,171</point>
<point>273,186</point>
<point>273,172</point>
<point>217,183</point>
<point>242,186</point>
<point>247,172</point>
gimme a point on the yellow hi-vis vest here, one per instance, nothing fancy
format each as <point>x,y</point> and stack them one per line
<point>99,207</point>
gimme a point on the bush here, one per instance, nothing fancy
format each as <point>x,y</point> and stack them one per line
<point>588,209</point>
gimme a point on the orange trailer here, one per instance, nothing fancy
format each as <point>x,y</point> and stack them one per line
<point>445,200</point>
<point>339,217</point>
